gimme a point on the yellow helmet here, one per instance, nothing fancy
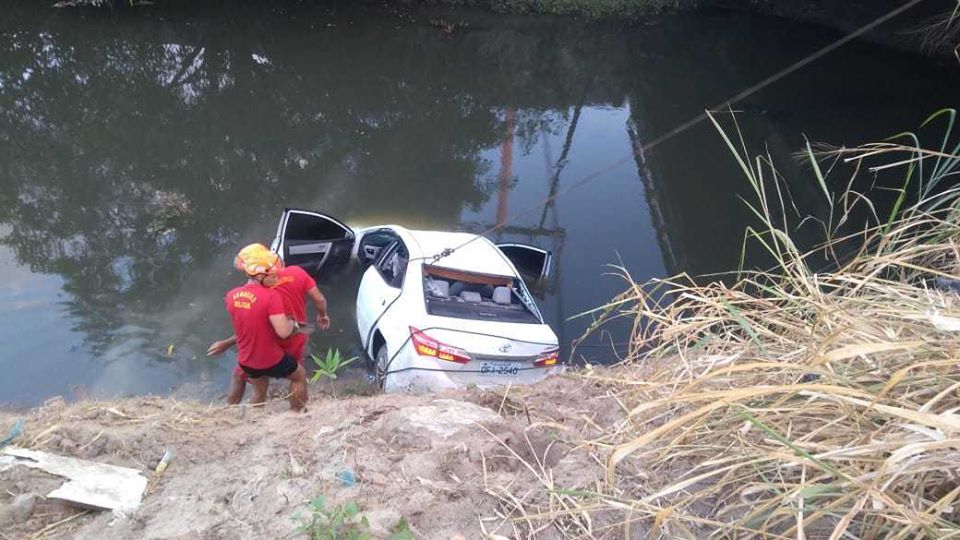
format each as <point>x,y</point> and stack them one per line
<point>256,259</point>
<point>244,253</point>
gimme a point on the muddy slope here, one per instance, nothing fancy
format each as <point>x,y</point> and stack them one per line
<point>447,464</point>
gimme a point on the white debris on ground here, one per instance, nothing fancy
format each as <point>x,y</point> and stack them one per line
<point>88,484</point>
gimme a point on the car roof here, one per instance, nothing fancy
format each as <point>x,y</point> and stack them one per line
<point>471,253</point>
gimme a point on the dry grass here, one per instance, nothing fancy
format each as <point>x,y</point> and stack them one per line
<point>942,33</point>
<point>825,404</point>
<point>793,403</point>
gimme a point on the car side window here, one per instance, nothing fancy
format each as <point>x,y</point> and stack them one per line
<point>373,244</point>
<point>393,264</point>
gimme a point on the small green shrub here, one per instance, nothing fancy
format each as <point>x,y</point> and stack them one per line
<point>401,531</point>
<point>342,522</point>
<point>329,365</point>
<point>345,522</point>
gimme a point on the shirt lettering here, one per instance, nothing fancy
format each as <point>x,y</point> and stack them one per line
<point>244,299</point>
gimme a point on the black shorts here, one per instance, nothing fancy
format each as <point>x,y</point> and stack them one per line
<point>281,370</point>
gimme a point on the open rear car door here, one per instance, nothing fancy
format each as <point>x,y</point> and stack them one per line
<point>313,241</point>
<point>529,260</point>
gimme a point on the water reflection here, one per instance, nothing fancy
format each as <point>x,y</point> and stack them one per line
<point>137,151</point>
<point>846,98</point>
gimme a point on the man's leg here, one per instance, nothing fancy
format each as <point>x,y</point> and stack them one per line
<point>297,348</point>
<point>260,387</point>
<point>238,385</point>
<point>305,351</point>
<point>298,389</point>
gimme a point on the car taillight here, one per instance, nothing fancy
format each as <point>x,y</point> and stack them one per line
<point>427,346</point>
<point>548,359</point>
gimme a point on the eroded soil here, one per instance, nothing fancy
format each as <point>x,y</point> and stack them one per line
<point>451,465</point>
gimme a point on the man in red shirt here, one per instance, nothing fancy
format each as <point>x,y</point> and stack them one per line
<point>260,322</point>
<point>294,285</point>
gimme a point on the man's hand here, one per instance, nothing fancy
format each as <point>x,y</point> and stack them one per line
<point>219,347</point>
<point>323,321</point>
<point>319,302</point>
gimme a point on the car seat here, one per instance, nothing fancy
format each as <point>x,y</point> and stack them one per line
<point>459,286</point>
<point>470,296</point>
<point>438,288</point>
<point>502,295</point>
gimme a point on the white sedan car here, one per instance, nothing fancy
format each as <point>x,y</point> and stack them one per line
<point>434,309</point>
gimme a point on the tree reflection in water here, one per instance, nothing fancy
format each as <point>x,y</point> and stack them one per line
<point>138,149</point>
<point>136,155</point>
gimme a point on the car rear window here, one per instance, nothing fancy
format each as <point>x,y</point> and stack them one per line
<point>479,297</point>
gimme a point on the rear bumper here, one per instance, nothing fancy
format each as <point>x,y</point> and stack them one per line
<point>412,373</point>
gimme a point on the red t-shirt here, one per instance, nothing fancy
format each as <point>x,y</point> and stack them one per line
<point>293,283</point>
<point>250,308</point>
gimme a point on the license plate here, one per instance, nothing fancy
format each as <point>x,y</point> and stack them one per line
<point>499,368</point>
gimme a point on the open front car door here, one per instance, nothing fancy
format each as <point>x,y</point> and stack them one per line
<point>313,241</point>
<point>529,260</point>
<point>372,242</point>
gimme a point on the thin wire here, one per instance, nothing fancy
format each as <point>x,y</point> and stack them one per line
<point>692,122</point>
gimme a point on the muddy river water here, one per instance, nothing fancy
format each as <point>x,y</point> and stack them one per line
<point>138,150</point>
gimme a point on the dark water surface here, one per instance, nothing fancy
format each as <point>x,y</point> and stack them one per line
<point>139,150</point>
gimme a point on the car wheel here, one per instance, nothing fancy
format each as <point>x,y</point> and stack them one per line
<point>380,366</point>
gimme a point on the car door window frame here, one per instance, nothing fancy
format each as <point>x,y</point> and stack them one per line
<point>385,232</point>
<point>385,256</point>
<point>544,270</point>
<point>313,254</point>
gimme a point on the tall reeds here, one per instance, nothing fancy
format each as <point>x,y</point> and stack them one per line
<point>796,402</point>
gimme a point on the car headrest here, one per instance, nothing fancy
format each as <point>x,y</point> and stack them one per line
<point>470,296</point>
<point>502,295</point>
<point>438,288</point>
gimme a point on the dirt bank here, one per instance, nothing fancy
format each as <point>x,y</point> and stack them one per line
<point>447,464</point>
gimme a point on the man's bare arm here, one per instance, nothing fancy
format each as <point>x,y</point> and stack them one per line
<point>319,302</point>
<point>283,326</point>
<point>219,347</point>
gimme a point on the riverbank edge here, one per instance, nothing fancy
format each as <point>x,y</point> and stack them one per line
<point>910,31</point>
<point>437,464</point>
<point>921,29</point>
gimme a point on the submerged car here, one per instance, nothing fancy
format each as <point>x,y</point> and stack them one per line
<point>435,309</point>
